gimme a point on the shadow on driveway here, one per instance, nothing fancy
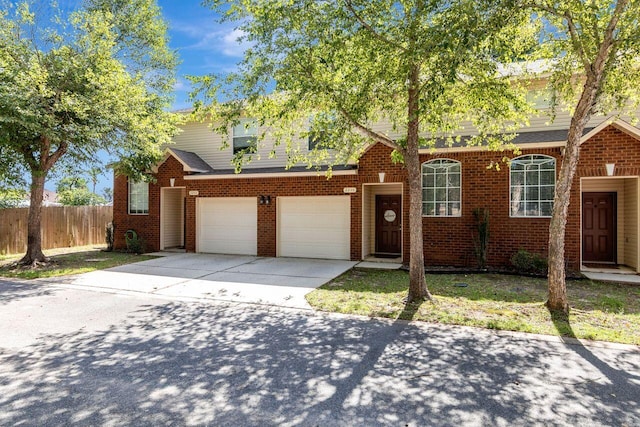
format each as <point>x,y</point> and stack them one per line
<point>233,278</point>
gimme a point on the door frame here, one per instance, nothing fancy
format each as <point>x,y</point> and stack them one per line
<point>614,226</point>
<point>162,216</point>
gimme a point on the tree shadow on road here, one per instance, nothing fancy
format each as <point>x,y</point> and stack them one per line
<point>176,363</point>
<point>618,383</point>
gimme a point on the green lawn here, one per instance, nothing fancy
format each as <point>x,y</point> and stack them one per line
<point>600,311</point>
<point>67,261</point>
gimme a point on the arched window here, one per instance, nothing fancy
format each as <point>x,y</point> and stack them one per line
<point>441,188</point>
<point>533,183</point>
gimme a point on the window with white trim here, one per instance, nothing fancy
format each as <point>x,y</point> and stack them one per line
<point>533,183</point>
<point>138,198</point>
<point>245,136</point>
<point>441,188</point>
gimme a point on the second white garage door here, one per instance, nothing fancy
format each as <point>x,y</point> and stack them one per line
<point>314,227</point>
<point>227,225</point>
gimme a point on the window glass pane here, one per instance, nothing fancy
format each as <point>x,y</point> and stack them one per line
<point>547,177</point>
<point>246,127</point>
<point>441,187</point>
<point>532,182</point>
<point>245,136</point>
<point>546,208</point>
<point>517,178</point>
<point>531,178</point>
<point>138,197</point>
<point>453,195</point>
<point>532,209</point>
<point>431,209</point>
<point>517,209</point>
<point>454,209</point>
<point>431,195</point>
<point>546,192</point>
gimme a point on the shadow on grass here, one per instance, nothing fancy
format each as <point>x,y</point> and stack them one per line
<point>589,296</point>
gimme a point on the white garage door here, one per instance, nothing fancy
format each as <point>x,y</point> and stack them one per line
<point>227,225</point>
<point>314,227</point>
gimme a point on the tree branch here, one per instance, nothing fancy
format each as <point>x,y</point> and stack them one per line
<point>369,28</point>
<point>55,156</point>
<point>368,133</point>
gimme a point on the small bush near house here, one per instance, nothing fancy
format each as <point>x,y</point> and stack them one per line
<point>135,244</point>
<point>528,262</point>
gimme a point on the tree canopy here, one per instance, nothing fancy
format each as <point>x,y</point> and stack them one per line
<point>74,191</point>
<point>595,69</point>
<point>72,85</point>
<point>427,67</point>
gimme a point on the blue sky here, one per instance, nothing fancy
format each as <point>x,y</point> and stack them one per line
<point>203,45</point>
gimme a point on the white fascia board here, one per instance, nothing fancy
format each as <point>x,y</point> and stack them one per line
<point>268,175</point>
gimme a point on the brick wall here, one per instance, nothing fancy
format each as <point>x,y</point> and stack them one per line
<point>447,241</point>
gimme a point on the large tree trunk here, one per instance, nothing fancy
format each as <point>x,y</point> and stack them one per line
<point>558,300</point>
<point>417,285</point>
<point>34,237</point>
<point>594,72</point>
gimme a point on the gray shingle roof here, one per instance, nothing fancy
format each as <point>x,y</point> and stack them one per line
<point>192,160</point>
<point>521,138</point>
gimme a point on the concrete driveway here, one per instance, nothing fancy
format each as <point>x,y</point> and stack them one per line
<point>276,281</point>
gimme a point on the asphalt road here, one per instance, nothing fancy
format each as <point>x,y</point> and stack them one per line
<point>72,357</point>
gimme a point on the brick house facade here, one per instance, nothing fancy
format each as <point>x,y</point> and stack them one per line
<point>448,241</point>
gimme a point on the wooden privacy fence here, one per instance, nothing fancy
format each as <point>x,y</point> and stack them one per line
<point>62,226</point>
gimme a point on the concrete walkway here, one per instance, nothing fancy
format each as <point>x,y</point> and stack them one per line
<point>612,277</point>
<point>274,281</point>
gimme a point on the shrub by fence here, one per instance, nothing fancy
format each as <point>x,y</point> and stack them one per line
<point>62,226</point>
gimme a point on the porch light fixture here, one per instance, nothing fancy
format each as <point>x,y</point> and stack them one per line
<point>172,181</point>
<point>611,167</point>
<point>264,200</point>
<point>381,176</point>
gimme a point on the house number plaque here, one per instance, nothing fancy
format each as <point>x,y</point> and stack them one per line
<point>389,215</point>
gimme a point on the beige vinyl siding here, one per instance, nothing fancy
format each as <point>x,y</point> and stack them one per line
<point>631,223</point>
<point>199,138</point>
<point>615,185</point>
<point>369,212</point>
<point>172,217</point>
<point>537,123</point>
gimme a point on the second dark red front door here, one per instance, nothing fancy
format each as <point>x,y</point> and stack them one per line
<point>599,227</point>
<point>388,224</point>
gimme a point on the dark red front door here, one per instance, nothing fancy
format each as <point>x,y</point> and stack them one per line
<point>599,227</point>
<point>388,225</point>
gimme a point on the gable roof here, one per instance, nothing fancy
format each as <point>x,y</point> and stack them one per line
<point>619,124</point>
<point>191,162</point>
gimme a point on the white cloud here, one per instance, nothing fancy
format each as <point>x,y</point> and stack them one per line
<point>182,85</point>
<point>216,38</point>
